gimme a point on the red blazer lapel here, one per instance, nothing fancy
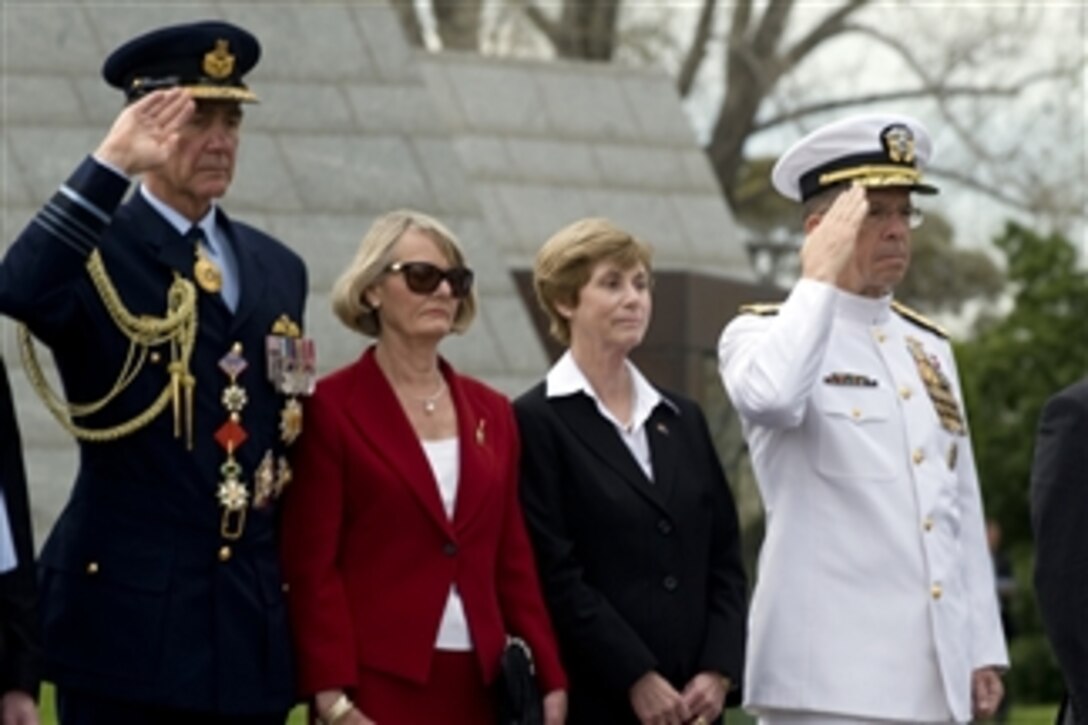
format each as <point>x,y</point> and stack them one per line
<point>476,441</point>
<point>374,409</point>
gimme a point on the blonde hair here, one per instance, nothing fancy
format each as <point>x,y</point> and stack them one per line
<point>565,263</point>
<point>375,254</point>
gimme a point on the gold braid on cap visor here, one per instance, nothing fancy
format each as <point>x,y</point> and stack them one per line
<point>873,175</point>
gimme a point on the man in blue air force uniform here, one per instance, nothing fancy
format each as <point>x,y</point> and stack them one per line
<point>875,599</point>
<point>175,331</point>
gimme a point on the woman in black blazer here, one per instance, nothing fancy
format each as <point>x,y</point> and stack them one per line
<point>633,523</point>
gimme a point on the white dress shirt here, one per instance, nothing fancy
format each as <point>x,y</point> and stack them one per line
<point>215,245</point>
<point>566,378</point>
<point>445,459</point>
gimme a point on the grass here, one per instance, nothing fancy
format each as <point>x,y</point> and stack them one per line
<point>48,713</point>
<point>1026,715</point>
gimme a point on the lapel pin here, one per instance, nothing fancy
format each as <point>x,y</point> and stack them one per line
<point>662,429</point>
<point>480,432</point>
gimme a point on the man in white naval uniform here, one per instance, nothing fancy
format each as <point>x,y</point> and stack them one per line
<point>875,597</point>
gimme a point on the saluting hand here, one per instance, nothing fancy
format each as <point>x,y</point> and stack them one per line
<point>146,132</point>
<point>656,702</point>
<point>829,246</point>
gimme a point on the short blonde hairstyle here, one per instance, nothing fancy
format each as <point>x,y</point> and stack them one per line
<point>373,259</point>
<point>565,263</point>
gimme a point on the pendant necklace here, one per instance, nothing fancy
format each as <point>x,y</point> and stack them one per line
<point>430,402</point>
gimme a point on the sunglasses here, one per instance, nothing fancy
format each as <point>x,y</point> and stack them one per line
<point>423,278</point>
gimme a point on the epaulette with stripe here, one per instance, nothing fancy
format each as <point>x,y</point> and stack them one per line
<point>763,309</point>
<point>919,319</point>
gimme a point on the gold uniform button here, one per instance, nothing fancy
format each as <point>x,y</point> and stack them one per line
<point>224,553</point>
<point>927,524</point>
<point>905,392</point>
<point>92,567</point>
<point>918,456</point>
<point>935,591</point>
<point>155,358</point>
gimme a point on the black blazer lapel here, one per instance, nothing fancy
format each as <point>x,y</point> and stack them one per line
<point>661,432</point>
<point>599,436</point>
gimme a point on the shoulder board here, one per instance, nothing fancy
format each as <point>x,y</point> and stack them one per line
<point>918,319</point>
<point>763,309</point>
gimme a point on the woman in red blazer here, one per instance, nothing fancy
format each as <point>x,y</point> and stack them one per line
<point>403,541</point>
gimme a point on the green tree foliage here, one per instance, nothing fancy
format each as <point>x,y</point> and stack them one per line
<point>943,277</point>
<point>1016,361</point>
<point>1009,368</point>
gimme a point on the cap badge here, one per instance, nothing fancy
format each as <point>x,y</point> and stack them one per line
<point>219,63</point>
<point>899,143</point>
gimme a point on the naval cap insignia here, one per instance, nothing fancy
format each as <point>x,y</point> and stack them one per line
<point>898,143</point>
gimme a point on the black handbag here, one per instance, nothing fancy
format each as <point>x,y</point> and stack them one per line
<point>519,697</point>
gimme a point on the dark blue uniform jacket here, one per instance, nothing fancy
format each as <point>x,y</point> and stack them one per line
<point>141,596</point>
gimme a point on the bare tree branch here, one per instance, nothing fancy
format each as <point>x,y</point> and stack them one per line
<point>697,51</point>
<point>543,23</point>
<point>896,95</point>
<point>941,94</point>
<point>771,27</point>
<point>830,26</point>
<point>742,15</point>
<point>409,21</point>
<point>458,23</point>
<point>970,179</point>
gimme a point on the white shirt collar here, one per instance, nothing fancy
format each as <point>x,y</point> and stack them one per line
<point>566,378</point>
<point>864,310</point>
<point>176,219</point>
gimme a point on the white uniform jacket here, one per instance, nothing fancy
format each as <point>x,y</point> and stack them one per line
<point>875,593</point>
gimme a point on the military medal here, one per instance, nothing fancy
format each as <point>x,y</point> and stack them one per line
<point>264,480</point>
<point>206,272</point>
<point>290,421</point>
<point>291,363</point>
<point>232,493</point>
<point>283,476</point>
<point>938,387</point>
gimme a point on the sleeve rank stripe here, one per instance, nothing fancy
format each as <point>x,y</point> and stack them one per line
<point>79,199</point>
<point>88,220</point>
<point>66,229</point>
<point>81,228</point>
